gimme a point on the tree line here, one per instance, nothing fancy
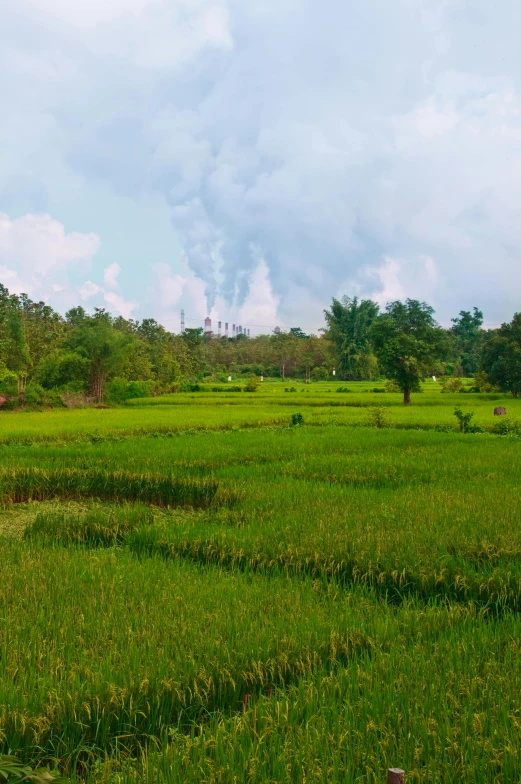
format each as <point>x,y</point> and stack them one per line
<point>44,355</point>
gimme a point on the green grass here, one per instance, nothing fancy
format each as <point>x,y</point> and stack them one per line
<point>270,406</point>
<point>193,590</point>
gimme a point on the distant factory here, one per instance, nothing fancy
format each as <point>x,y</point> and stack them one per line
<point>224,329</point>
<point>236,329</point>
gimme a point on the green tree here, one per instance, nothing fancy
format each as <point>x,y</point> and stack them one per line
<point>407,341</point>
<point>349,325</point>
<point>298,333</point>
<point>501,357</point>
<point>194,341</point>
<point>61,367</point>
<point>14,348</point>
<point>107,349</point>
<point>468,338</point>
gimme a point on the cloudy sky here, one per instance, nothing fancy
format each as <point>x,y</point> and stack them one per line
<point>255,158</point>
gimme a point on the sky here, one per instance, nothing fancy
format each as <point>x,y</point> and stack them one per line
<point>252,159</point>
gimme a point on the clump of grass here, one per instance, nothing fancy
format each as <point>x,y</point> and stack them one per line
<point>33,484</point>
<point>95,527</point>
<point>378,417</point>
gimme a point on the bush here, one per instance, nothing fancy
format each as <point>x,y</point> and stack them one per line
<point>297,420</point>
<point>378,416</point>
<point>320,374</point>
<point>8,383</point>
<point>482,383</point>
<point>253,384</point>
<point>36,395</point>
<point>506,427</point>
<point>120,390</point>
<point>188,386</point>
<point>391,386</point>
<point>452,384</point>
<point>464,421</point>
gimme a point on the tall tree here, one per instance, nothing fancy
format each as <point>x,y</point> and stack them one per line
<point>349,324</point>
<point>14,348</point>
<point>408,341</point>
<point>468,338</point>
<point>106,348</point>
<point>501,358</point>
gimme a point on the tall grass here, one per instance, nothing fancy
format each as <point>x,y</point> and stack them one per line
<point>442,707</point>
<point>266,603</point>
<point>35,484</point>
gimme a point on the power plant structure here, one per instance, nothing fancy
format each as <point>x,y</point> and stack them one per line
<point>236,330</point>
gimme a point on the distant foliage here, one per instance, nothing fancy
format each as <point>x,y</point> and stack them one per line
<point>502,357</point>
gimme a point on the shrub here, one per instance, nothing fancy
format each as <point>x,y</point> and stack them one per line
<point>297,420</point>
<point>451,384</point>
<point>483,383</point>
<point>506,427</point>
<point>36,395</point>
<point>378,416</point>
<point>463,419</point>
<point>120,390</point>
<point>8,383</point>
<point>391,386</point>
<point>253,384</point>
<point>320,374</point>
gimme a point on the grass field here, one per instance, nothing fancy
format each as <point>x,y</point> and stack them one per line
<point>193,590</point>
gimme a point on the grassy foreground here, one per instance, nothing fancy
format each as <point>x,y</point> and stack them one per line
<point>262,603</point>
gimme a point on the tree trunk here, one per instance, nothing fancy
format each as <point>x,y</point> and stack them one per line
<point>406,396</point>
<point>97,388</point>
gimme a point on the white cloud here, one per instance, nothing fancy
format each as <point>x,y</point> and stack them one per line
<point>110,275</point>
<point>115,303</point>
<point>36,249</point>
<point>90,289</point>
<point>392,289</point>
<point>331,140</point>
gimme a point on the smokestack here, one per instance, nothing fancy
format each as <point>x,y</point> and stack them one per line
<point>234,329</point>
<point>219,329</point>
<point>208,323</point>
<point>248,333</point>
<point>276,330</point>
<point>226,329</point>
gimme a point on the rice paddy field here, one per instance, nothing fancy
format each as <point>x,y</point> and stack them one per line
<point>193,589</point>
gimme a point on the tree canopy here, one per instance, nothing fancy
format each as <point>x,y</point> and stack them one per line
<point>408,342</point>
<point>349,323</point>
<point>502,357</point>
